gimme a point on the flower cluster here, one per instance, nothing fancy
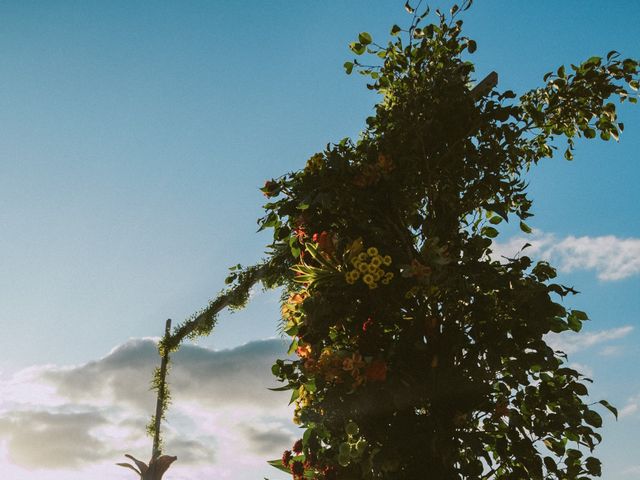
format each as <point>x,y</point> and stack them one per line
<point>367,265</point>
<point>304,400</point>
<point>339,367</point>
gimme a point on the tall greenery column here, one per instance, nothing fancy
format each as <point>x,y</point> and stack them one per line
<point>418,352</point>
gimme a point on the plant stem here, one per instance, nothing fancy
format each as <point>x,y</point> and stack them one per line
<point>161,393</point>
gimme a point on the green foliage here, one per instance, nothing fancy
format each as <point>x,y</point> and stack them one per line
<point>417,350</point>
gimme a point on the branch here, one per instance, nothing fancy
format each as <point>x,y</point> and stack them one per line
<point>233,297</point>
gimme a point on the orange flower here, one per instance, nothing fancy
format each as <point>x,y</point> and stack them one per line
<point>376,371</point>
<point>354,362</point>
<point>304,351</point>
<point>297,298</point>
<point>301,234</point>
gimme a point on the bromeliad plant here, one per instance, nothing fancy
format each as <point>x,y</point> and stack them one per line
<point>416,350</point>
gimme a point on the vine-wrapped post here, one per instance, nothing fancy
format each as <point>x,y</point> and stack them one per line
<point>159,464</point>
<point>161,397</point>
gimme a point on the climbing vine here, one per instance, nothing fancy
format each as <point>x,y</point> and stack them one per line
<point>416,350</point>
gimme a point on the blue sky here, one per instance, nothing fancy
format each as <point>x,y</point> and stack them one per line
<point>135,138</point>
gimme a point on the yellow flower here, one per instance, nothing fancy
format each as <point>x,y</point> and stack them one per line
<point>372,268</point>
<point>363,267</point>
<point>389,276</point>
<point>362,257</point>
<point>372,251</point>
<point>350,279</point>
<point>387,260</point>
<point>368,279</point>
<point>373,285</point>
<point>376,261</point>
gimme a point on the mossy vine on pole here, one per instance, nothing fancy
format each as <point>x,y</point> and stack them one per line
<point>417,351</point>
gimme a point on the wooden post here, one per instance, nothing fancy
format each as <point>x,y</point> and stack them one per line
<point>161,393</point>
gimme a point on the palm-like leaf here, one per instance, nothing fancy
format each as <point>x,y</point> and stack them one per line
<point>154,471</point>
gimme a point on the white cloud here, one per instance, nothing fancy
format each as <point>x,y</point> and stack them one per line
<point>56,422</point>
<point>612,258</point>
<point>633,470</point>
<point>631,407</point>
<point>571,342</point>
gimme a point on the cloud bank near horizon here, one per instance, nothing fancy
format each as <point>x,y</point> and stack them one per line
<point>77,421</point>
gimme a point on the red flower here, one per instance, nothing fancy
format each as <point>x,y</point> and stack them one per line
<point>297,468</point>
<point>324,241</point>
<point>330,473</point>
<point>297,447</point>
<point>286,458</point>
<point>367,325</point>
<point>377,371</point>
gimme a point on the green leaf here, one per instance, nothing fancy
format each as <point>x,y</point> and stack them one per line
<point>310,386</point>
<point>280,389</point>
<point>574,323</point>
<point>614,134</point>
<point>472,46</point>
<point>580,389</point>
<point>348,67</point>
<point>590,133</point>
<point>292,347</point>
<point>489,232</point>
<point>395,30</point>
<point>568,155</point>
<point>357,48</point>
<point>525,228</point>
<point>408,7</point>
<point>495,220</point>
<point>561,72</point>
<point>609,407</point>
<point>593,418</point>
<point>278,464</point>
<point>594,467</point>
<point>295,394</point>
<point>364,38</point>
<point>595,60</point>
<point>580,315</point>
